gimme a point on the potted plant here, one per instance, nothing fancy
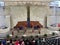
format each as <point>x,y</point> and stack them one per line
<point>59,29</point>
<point>45,35</point>
<point>53,33</point>
<point>31,36</point>
<point>8,37</point>
<point>16,37</point>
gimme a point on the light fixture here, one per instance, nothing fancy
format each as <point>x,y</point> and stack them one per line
<point>55,3</point>
<point>1,4</point>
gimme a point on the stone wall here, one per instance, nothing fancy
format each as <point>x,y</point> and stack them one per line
<point>19,13</point>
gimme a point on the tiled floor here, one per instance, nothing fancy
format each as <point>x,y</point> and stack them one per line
<point>31,32</point>
<point>35,32</point>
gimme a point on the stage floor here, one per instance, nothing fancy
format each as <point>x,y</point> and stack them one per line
<point>29,32</point>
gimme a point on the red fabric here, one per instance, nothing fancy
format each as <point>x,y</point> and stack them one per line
<point>17,43</point>
<point>58,25</point>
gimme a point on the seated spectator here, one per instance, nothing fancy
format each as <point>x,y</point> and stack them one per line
<point>4,42</point>
<point>17,42</point>
<point>33,41</point>
<point>7,42</point>
<point>0,42</point>
<point>22,43</point>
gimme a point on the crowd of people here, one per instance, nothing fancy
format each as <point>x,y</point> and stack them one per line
<point>30,41</point>
<point>21,41</point>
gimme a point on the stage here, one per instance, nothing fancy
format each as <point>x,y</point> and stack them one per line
<point>30,32</point>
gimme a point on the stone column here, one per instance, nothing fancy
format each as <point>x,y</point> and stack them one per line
<point>28,16</point>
